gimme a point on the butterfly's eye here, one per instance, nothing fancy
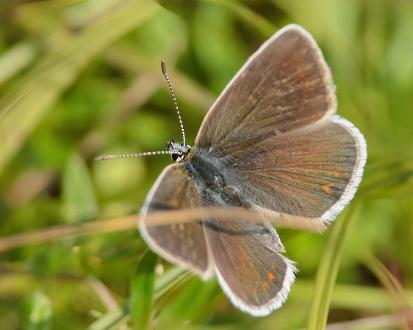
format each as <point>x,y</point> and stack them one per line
<point>176,157</point>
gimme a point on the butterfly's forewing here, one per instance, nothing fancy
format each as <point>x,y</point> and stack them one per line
<point>179,243</point>
<point>285,85</point>
<point>275,130</point>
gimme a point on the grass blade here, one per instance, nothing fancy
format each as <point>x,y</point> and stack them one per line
<point>394,287</point>
<point>25,106</point>
<point>169,279</point>
<point>142,289</point>
<point>15,60</point>
<point>78,194</point>
<point>40,313</point>
<point>163,284</point>
<point>327,271</point>
<point>260,23</point>
<point>189,307</point>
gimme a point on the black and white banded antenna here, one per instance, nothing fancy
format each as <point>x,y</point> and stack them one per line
<point>168,81</point>
<point>176,150</point>
<point>134,155</point>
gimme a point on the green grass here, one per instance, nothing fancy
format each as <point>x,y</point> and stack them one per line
<point>327,271</point>
<point>82,78</point>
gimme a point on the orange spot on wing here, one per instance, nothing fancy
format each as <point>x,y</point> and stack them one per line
<point>337,173</point>
<point>271,277</point>
<point>328,188</point>
<point>264,285</point>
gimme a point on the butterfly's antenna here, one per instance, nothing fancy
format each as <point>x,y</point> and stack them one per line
<point>135,155</point>
<point>165,74</point>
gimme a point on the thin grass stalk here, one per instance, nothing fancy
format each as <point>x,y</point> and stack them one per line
<point>328,269</point>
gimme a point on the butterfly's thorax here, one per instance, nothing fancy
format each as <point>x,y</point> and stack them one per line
<point>205,169</point>
<point>212,183</point>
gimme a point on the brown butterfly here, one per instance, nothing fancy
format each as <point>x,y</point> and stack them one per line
<point>273,143</point>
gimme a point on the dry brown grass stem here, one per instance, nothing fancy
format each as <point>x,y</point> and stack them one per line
<point>156,218</point>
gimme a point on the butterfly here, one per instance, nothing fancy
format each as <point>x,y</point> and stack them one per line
<point>271,143</point>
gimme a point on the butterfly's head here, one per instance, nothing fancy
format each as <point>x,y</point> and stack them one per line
<point>178,151</point>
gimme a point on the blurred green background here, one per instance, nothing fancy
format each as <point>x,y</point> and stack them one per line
<point>82,78</point>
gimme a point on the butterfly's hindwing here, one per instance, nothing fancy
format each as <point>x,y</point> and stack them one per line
<point>181,243</point>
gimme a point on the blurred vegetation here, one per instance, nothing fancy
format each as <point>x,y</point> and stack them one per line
<point>81,78</point>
